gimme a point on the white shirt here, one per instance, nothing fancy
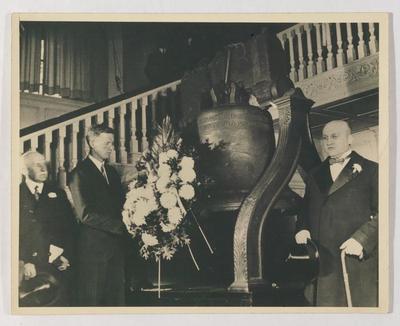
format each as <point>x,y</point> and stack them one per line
<point>32,185</point>
<point>336,168</point>
<point>100,165</point>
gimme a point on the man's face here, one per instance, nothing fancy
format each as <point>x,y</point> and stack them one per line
<point>37,168</point>
<point>102,145</point>
<point>336,139</point>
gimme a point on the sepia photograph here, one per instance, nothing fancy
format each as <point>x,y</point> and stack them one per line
<point>200,162</point>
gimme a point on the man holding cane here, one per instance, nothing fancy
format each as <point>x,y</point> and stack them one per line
<point>340,213</point>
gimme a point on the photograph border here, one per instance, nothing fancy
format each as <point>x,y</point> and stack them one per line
<point>383,152</point>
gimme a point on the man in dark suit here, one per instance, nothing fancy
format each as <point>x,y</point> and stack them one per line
<point>46,226</point>
<point>341,213</point>
<point>98,198</point>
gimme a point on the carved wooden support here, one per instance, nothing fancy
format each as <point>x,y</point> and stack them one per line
<point>293,110</point>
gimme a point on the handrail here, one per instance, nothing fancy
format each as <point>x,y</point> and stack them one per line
<point>140,92</point>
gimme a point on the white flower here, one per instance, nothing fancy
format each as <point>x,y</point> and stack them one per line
<point>174,177</point>
<point>149,240</point>
<point>187,175</point>
<point>162,184</point>
<point>52,195</point>
<point>162,158</point>
<point>186,192</point>
<point>148,193</point>
<point>168,200</point>
<point>138,219</point>
<point>175,215</point>
<point>357,168</point>
<point>187,163</point>
<point>167,227</point>
<point>164,170</point>
<point>132,185</point>
<point>130,202</point>
<point>126,218</point>
<point>152,177</point>
<point>142,207</point>
<point>172,153</point>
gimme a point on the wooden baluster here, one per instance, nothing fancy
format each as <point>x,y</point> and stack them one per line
<point>340,53</point>
<point>21,146</point>
<point>293,72</point>
<point>134,144</point>
<point>123,155</point>
<point>302,68</point>
<point>74,145</point>
<point>100,118</point>
<point>48,137</point>
<point>320,60</point>
<point>153,109</point>
<point>362,47</point>
<point>330,59</point>
<point>351,52</point>
<point>34,143</point>
<point>62,176</point>
<point>86,148</point>
<point>310,63</point>
<point>143,103</point>
<point>111,115</point>
<point>373,44</point>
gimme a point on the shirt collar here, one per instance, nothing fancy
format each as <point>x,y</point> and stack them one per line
<point>33,184</point>
<point>345,155</point>
<point>96,162</point>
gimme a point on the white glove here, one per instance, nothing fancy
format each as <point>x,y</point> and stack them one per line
<point>302,236</point>
<point>29,271</point>
<point>352,247</point>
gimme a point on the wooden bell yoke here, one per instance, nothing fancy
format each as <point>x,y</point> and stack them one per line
<point>294,147</point>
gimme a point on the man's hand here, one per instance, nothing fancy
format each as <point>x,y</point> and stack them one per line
<point>302,236</point>
<point>352,247</point>
<point>64,264</point>
<point>29,271</point>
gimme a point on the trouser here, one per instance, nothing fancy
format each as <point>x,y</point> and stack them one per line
<point>101,282</point>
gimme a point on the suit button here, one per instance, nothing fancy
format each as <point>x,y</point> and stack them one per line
<point>31,211</point>
<point>34,254</point>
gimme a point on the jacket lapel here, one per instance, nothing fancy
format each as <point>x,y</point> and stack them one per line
<point>322,177</point>
<point>96,172</point>
<point>345,175</point>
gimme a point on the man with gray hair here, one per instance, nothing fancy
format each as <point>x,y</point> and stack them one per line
<point>340,213</point>
<point>98,198</point>
<point>46,225</point>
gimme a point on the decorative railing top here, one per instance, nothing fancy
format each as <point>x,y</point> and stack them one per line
<point>315,48</point>
<point>80,113</point>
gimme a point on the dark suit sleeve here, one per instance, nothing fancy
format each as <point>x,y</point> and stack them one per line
<point>367,234</point>
<point>64,228</point>
<point>86,208</point>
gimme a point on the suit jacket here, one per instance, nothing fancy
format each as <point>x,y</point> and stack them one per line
<point>336,211</point>
<point>98,207</point>
<point>46,221</point>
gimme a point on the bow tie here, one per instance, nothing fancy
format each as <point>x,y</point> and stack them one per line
<point>337,160</point>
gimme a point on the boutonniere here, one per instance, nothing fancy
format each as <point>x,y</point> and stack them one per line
<point>357,168</point>
<point>52,195</point>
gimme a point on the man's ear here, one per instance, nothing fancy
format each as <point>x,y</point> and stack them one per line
<point>350,139</point>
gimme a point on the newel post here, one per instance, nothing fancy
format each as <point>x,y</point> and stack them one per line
<point>293,110</point>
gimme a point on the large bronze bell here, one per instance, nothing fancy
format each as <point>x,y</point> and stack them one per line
<point>242,137</point>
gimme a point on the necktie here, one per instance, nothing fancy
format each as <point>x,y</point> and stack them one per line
<point>103,172</point>
<point>337,160</point>
<point>37,193</point>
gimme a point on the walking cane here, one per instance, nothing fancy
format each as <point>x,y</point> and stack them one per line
<point>346,279</point>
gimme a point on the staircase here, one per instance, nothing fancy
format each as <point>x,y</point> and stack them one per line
<point>131,115</point>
